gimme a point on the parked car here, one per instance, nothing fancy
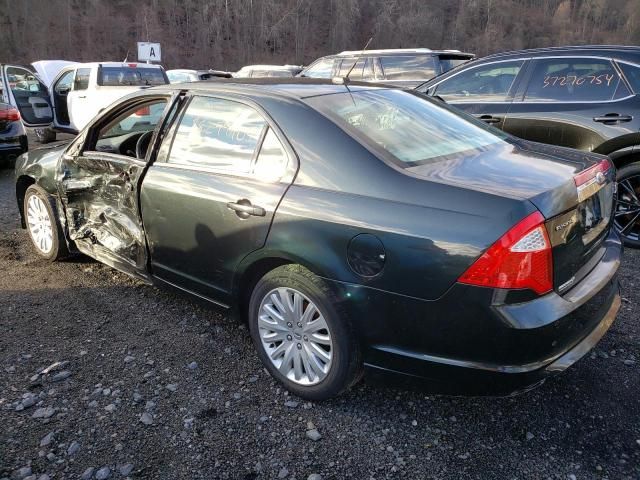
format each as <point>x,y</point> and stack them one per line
<point>262,71</point>
<point>13,137</point>
<point>64,96</point>
<point>405,67</point>
<point>183,75</point>
<point>351,227</point>
<point>581,97</point>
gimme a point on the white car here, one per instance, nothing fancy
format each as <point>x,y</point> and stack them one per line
<point>65,96</point>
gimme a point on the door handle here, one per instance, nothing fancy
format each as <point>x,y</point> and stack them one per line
<point>613,117</point>
<point>244,209</point>
<point>82,96</point>
<point>489,119</point>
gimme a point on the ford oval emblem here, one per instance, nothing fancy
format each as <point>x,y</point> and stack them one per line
<point>600,178</point>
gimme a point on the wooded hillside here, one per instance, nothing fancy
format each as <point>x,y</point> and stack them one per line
<point>227,34</point>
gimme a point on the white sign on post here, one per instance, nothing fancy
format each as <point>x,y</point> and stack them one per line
<point>149,52</point>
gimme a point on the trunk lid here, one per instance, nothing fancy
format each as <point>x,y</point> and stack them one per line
<point>577,221</point>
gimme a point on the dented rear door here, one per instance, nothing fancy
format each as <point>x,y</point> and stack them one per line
<point>99,185</point>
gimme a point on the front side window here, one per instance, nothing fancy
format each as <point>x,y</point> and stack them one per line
<point>320,69</point>
<point>137,119</point>
<point>573,80</point>
<point>130,76</point>
<point>64,84</point>
<point>486,83</point>
<point>82,79</point>
<point>405,127</point>
<point>217,133</point>
<point>408,67</point>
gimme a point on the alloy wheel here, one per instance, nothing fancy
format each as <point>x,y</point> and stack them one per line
<point>627,212</point>
<point>295,336</point>
<point>39,224</point>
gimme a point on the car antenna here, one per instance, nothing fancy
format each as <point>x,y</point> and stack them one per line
<point>345,79</point>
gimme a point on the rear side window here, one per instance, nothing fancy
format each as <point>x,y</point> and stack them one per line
<point>408,67</point>
<point>81,81</point>
<point>130,76</point>
<point>217,133</point>
<point>272,160</point>
<point>574,80</point>
<point>632,73</point>
<point>485,83</point>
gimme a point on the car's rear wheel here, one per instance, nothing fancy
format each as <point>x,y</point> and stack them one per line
<point>301,335</point>
<point>42,224</point>
<point>627,211</point>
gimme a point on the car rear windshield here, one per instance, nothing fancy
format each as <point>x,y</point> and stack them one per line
<point>131,76</point>
<point>405,127</point>
<point>448,62</point>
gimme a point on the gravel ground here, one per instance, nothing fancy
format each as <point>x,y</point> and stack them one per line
<point>153,385</point>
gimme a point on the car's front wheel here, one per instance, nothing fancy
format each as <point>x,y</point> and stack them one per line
<point>42,224</point>
<point>302,335</point>
<point>627,212</point>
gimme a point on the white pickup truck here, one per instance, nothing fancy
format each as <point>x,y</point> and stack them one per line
<point>64,96</point>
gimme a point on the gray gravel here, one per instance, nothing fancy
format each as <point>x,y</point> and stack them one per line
<point>227,418</point>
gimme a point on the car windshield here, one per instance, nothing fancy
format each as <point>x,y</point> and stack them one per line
<point>404,127</point>
<point>131,76</point>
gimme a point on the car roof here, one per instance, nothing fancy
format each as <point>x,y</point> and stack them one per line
<point>283,87</point>
<point>596,50</point>
<point>397,51</point>
<point>270,67</point>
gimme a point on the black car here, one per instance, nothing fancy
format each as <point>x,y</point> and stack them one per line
<point>13,137</point>
<point>352,226</point>
<point>404,67</point>
<point>580,97</point>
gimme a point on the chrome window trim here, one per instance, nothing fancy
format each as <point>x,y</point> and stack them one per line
<point>523,60</point>
<point>546,57</point>
<point>292,159</point>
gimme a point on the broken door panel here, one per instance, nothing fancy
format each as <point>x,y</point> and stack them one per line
<point>99,193</point>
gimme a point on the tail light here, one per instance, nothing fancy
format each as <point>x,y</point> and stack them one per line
<point>590,180</point>
<point>10,115</point>
<point>520,259</point>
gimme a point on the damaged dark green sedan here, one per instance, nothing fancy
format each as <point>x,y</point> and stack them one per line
<point>355,227</point>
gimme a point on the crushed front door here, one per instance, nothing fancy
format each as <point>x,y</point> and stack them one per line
<point>99,186</point>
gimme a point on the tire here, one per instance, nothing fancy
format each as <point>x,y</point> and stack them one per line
<point>44,135</point>
<point>345,366</point>
<point>39,210</point>
<point>628,178</point>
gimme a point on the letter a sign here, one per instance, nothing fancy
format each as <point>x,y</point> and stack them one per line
<point>149,52</point>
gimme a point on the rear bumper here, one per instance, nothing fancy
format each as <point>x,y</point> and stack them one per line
<point>466,343</point>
